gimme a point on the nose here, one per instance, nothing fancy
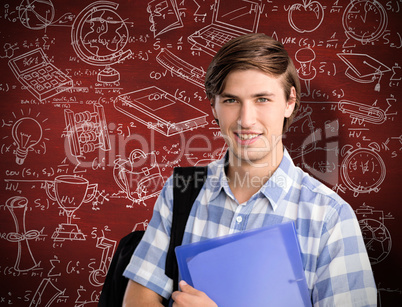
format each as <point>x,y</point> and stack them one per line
<point>247,116</point>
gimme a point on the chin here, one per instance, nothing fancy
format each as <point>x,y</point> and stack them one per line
<point>252,156</point>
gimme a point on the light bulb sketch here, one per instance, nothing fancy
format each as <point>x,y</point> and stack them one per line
<point>27,133</point>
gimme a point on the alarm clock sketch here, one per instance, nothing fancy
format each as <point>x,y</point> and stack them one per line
<point>362,170</point>
<point>364,20</point>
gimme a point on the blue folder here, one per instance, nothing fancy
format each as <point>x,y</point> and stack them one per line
<point>259,267</point>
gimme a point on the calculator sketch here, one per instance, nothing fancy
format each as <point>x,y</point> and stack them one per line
<point>41,77</point>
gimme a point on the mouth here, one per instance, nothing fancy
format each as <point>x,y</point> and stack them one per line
<point>247,138</point>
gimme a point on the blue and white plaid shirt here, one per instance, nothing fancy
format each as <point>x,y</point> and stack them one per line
<point>334,256</point>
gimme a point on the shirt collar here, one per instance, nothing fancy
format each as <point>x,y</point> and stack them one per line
<point>217,180</point>
<point>279,184</point>
<point>275,189</point>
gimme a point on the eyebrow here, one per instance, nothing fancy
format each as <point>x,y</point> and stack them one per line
<point>262,94</point>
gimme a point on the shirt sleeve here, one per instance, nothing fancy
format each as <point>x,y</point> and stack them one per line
<point>147,265</point>
<point>343,276</point>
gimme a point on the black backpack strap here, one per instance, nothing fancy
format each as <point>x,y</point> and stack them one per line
<point>187,184</point>
<point>115,283</point>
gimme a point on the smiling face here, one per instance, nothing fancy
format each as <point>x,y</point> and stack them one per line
<point>251,111</point>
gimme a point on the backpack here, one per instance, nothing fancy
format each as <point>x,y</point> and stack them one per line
<point>187,183</point>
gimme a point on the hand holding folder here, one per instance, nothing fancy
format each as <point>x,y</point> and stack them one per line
<point>259,267</point>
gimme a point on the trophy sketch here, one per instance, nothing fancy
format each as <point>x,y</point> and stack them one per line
<point>70,192</point>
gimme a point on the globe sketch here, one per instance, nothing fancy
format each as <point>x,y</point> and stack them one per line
<point>99,36</point>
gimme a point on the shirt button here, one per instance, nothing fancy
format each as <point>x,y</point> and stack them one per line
<point>239,219</point>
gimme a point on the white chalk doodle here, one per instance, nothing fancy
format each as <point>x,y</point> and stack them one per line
<point>99,37</point>
<point>376,235</point>
<point>139,177</point>
<point>363,68</point>
<point>34,70</point>
<point>230,19</point>
<point>70,192</point>
<point>306,17</point>
<point>364,20</point>
<point>164,16</point>
<point>27,133</point>
<point>362,113</point>
<point>25,260</point>
<point>36,14</point>
<point>160,111</point>
<point>181,68</point>
<point>362,170</point>
<point>46,294</point>
<point>108,248</point>
<point>87,131</point>
<point>307,72</point>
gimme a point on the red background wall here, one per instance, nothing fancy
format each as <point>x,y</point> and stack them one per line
<point>347,134</point>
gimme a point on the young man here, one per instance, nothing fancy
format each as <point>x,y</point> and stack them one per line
<point>254,92</point>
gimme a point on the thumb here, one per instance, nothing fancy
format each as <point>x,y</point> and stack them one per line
<point>186,288</point>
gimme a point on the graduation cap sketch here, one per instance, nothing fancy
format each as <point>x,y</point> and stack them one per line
<point>363,68</point>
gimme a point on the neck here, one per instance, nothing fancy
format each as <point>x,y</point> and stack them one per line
<point>247,177</point>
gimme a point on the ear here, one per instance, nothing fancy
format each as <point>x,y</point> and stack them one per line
<point>213,108</point>
<point>291,103</point>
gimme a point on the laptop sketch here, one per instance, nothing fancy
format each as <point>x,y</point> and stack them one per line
<point>230,19</point>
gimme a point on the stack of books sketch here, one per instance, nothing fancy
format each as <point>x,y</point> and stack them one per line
<point>41,77</point>
<point>181,68</point>
<point>160,111</point>
<point>230,19</point>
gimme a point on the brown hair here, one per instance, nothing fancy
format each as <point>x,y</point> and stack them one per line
<point>253,51</point>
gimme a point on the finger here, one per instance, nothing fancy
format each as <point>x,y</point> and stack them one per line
<point>186,288</point>
<point>175,294</point>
